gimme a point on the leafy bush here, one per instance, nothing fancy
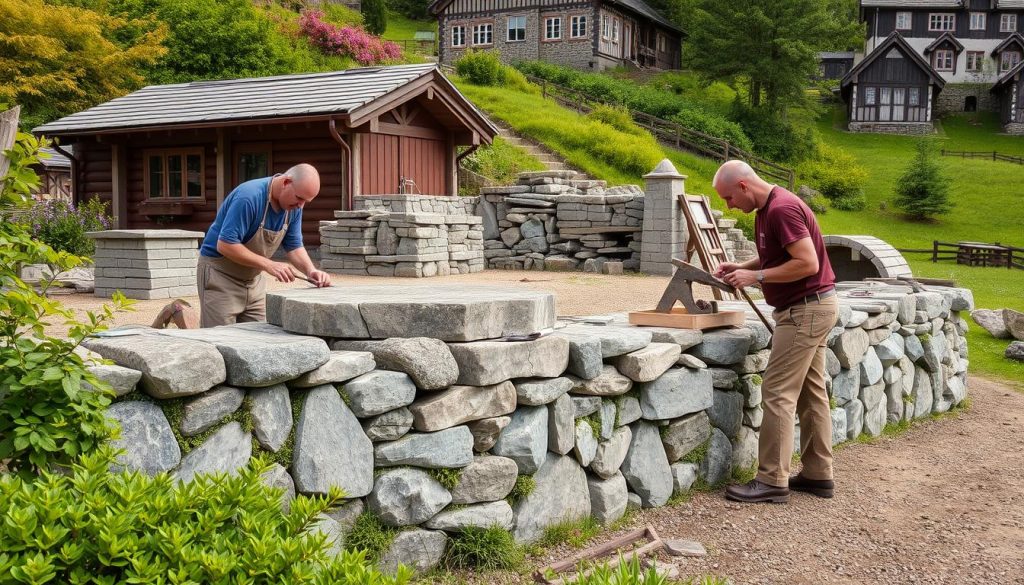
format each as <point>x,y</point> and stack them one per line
<point>922,191</point>
<point>480,68</point>
<point>701,121</point>
<point>486,549</point>
<point>773,137</point>
<point>95,526</point>
<point>837,176</point>
<point>47,414</point>
<point>347,40</point>
<point>62,226</point>
<point>500,162</point>
<point>617,117</point>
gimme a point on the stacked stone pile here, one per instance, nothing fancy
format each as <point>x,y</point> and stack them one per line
<point>394,243</point>
<point>734,241</point>
<point>367,391</point>
<point>552,220</point>
<point>146,264</point>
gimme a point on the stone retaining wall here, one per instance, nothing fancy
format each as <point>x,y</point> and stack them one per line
<point>146,264</point>
<point>908,128</point>
<point>602,417</point>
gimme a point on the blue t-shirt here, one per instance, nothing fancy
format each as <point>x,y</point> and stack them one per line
<point>239,217</point>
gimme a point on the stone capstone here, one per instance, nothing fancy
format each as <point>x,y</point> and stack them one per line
<point>646,467</point>
<point>461,404</point>
<point>560,494</point>
<point>427,361</point>
<point>444,449</point>
<point>170,367</point>
<point>481,363</point>
<point>614,340</point>
<point>486,479</point>
<point>147,443</point>
<point>271,410</point>
<point>407,496</point>
<point>206,411</point>
<point>226,451</point>
<point>330,447</point>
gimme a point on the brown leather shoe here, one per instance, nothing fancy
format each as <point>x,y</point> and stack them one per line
<point>755,492</point>
<point>823,488</point>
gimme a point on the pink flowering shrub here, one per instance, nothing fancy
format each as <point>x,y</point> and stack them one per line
<point>347,41</point>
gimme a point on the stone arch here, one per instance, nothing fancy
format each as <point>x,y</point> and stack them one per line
<point>860,257</point>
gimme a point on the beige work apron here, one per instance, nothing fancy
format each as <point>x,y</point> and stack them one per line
<point>232,293</point>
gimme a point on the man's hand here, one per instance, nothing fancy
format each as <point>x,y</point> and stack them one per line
<point>282,271</point>
<point>726,268</point>
<point>319,278</point>
<point>741,278</point>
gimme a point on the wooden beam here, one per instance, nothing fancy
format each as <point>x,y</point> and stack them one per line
<point>357,157</point>
<point>119,184</point>
<point>223,166</point>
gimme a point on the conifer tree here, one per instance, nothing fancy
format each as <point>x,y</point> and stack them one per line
<point>923,192</point>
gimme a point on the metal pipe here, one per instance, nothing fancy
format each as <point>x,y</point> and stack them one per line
<point>347,155</point>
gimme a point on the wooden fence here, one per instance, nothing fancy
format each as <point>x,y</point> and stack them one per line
<point>985,155</point>
<point>974,254</point>
<point>672,133</point>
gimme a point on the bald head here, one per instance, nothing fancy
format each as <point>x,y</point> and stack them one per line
<point>740,187</point>
<point>296,187</point>
<point>305,177</point>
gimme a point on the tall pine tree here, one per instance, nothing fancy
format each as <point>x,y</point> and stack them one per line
<point>375,16</point>
<point>923,192</point>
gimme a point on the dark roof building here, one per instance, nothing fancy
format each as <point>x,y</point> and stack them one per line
<point>171,153</point>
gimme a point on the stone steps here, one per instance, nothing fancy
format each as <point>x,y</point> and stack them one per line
<point>550,160</point>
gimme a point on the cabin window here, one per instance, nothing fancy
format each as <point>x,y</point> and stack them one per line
<point>1008,60</point>
<point>975,60</point>
<point>458,36</point>
<point>579,27</point>
<point>252,161</point>
<point>483,34</point>
<point>174,173</point>
<point>662,44</point>
<point>869,96</point>
<point>615,30</point>
<point>1008,23</point>
<point>516,29</point>
<point>978,21</point>
<point>606,27</point>
<point>914,96</point>
<point>904,20</point>
<point>553,28</point>
<point>943,60</point>
<point>941,22</point>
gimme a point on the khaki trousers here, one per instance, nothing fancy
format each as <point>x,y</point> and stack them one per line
<point>794,381</point>
<point>224,299</point>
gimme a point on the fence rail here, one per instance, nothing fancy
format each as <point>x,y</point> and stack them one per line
<point>993,155</point>
<point>671,133</point>
<point>974,254</point>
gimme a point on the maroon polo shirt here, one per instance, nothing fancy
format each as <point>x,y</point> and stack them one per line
<point>785,219</point>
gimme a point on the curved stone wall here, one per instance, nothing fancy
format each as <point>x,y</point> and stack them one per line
<point>860,257</point>
<point>601,417</point>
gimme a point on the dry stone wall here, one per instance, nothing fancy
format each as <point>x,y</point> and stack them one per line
<point>602,417</point>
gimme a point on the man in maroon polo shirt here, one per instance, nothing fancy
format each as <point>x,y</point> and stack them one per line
<point>793,270</point>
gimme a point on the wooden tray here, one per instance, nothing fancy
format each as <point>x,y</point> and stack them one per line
<point>680,319</point>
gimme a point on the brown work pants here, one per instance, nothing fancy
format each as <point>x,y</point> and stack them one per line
<point>794,381</point>
<point>225,300</point>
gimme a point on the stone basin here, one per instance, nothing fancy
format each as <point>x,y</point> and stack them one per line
<point>445,312</point>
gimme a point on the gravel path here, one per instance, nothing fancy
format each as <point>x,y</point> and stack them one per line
<point>942,503</point>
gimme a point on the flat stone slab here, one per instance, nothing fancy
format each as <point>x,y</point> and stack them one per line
<point>449,313</point>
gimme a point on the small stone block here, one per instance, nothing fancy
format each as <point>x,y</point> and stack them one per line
<point>684,548</point>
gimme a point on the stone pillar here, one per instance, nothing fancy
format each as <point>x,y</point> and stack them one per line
<point>146,264</point>
<point>664,228</point>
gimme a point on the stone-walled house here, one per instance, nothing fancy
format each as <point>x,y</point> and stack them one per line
<point>591,35</point>
<point>972,45</point>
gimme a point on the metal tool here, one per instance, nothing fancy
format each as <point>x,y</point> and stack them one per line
<point>680,288</point>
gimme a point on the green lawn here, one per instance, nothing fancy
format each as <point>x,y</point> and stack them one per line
<point>400,28</point>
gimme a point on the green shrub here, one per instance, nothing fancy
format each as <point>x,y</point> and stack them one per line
<point>617,117</point>
<point>837,176</point>
<point>523,487</point>
<point>773,137</point>
<point>486,549</point>
<point>371,536</point>
<point>480,68</point>
<point>501,162</point>
<point>95,526</point>
<point>374,15</point>
<point>922,191</point>
<point>62,226</point>
<point>47,414</point>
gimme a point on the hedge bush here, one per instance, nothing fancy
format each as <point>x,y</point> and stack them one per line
<point>837,176</point>
<point>95,526</point>
<point>480,68</point>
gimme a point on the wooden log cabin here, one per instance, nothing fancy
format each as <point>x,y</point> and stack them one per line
<point>168,155</point>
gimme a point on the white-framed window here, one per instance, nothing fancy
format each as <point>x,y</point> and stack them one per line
<point>914,96</point>
<point>941,21</point>
<point>516,29</point>
<point>483,34</point>
<point>975,60</point>
<point>553,28</point>
<point>615,30</point>
<point>458,36</point>
<point>978,20</point>
<point>662,44</point>
<point>1008,60</point>
<point>904,20</point>
<point>1007,23</point>
<point>869,96</point>
<point>886,95</point>
<point>578,29</point>
<point>606,27</point>
<point>943,60</point>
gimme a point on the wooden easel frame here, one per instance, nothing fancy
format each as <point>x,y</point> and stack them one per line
<point>704,237</point>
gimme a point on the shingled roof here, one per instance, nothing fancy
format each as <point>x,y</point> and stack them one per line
<point>305,96</point>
